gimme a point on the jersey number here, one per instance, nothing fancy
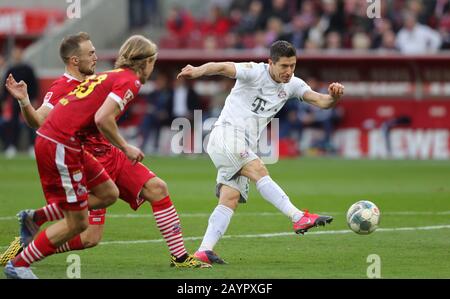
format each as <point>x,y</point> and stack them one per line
<point>87,86</point>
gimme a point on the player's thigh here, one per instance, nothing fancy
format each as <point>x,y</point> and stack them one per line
<point>98,180</point>
<point>61,173</point>
<point>229,154</point>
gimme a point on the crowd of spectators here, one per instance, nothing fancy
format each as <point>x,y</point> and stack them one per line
<point>408,26</point>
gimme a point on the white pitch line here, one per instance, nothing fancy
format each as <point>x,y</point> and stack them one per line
<point>262,214</point>
<point>271,235</point>
<point>282,234</point>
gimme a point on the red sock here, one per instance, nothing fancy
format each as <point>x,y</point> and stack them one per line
<point>37,250</point>
<point>50,212</point>
<point>169,225</point>
<point>74,244</point>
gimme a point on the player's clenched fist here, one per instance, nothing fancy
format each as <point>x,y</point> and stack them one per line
<point>336,90</point>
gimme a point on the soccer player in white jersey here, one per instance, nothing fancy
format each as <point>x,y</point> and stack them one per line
<point>260,92</point>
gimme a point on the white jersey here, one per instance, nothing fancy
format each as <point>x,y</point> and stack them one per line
<point>256,98</point>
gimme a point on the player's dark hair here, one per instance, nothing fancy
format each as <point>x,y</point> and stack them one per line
<point>280,49</point>
<point>70,45</point>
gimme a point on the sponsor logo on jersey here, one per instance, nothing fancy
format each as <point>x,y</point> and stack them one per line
<point>258,105</point>
<point>128,96</point>
<point>48,96</point>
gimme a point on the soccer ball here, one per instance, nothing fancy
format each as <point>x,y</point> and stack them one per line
<point>363,217</point>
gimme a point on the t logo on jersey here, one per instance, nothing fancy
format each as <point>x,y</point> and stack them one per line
<point>258,105</point>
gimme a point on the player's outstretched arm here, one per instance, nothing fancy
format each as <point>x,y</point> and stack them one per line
<point>208,69</point>
<point>325,101</point>
<point>33,118</point>
<point>105,120</point>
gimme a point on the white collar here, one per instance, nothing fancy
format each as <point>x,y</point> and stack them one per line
<point>67,75</point>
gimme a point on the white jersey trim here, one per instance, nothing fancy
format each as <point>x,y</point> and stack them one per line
<point>57,142</point>
<point>117,99</point>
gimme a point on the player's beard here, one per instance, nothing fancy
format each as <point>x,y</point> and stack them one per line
<point>84,69</point>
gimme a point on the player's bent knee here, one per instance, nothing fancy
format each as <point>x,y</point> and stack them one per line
<point>154,189</point>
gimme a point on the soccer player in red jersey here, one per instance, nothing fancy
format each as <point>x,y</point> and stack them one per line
<point>73,123</point>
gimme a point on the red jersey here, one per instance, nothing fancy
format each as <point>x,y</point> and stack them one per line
<point>72,120</point>
<point>59,88</point>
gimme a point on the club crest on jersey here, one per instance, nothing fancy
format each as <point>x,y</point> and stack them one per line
<point>48,96</point>
<point>244,155</point>
<point>282,94</point>
<point>77,175</point>
<point>137,83</point>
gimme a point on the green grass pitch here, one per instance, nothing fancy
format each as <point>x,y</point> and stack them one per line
<point>412,242</point>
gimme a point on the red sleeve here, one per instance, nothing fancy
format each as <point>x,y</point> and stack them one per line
<point>57,90</point>
<point>124,89</point>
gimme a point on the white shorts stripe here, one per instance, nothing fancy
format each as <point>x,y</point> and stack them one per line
<point>64,173</point>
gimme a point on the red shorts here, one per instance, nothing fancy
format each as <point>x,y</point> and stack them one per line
<point>129,178</point>
<point>95,173</point>
<point>62,174</point>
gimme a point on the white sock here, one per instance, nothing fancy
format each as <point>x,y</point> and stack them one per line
<point>271,192</point>
<point>217,226</point>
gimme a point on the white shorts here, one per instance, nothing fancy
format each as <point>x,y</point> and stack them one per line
<point>229,151</point>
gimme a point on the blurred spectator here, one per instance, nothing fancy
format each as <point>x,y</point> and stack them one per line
<point>297,32</point>
<point>279,10</point>
<point>185,100</point>
<point>444,29</point>
<point>216,23</point>
<point>253,19</point>
<point>296,116</point>
<point>308,23</point>
<point>233,41</point>
<point>141,11</point>
<point>415,38</point>
<point>333,16</point>
<point>333,41</point>
<point>274,30</point>
<point>158,113</point>
<point>381,26</point>
<point>388,42</point>
<point>180,23</point>
<point>11,109</point>
<point>361,41</point>
<point>218,99</point>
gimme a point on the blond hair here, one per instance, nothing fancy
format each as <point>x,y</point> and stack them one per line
<point>134,52</point>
